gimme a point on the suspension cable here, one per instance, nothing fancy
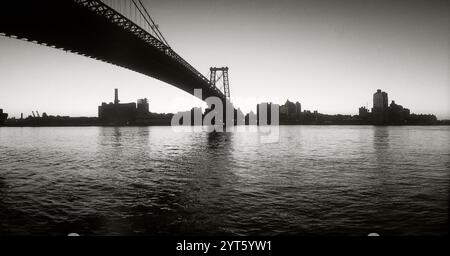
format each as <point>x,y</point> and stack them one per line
<point>153,22</point>
<point>148,22</point>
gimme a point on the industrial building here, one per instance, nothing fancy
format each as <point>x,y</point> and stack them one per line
<point>116,113</point>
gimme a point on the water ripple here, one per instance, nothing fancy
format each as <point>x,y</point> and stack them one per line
<point>151,181</point>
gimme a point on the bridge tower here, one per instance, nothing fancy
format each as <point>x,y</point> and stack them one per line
<point>222,75</point>
<point>217,74</point>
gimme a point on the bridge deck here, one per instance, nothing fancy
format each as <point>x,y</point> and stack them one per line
<point>71,26</point>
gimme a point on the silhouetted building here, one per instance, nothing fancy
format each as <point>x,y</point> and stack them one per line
<point>398,114</point>
<point>3,117</point>
<point>142,112</point>
<point>251,118</point>
<point>380,107</point>
<point>116,96</point>
<point>283,110</point>
<point>239,117</point>
<point>196,116</point>
<point>363,112</point>
<point>364,115</point>
<point>117,113</point>
<point>290,112</point>
<point>316,115</point>
<point>293,110</point>
<point>394,114</point>
<point>298,107</point>
<point>380,100</point>
<point>420,119</point>
<point>142,106</point>
<point>264,113</point>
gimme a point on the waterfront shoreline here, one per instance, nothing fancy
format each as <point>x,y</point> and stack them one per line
<point>164,125</point>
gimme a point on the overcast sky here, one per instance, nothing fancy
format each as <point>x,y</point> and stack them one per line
<point>329,55</point>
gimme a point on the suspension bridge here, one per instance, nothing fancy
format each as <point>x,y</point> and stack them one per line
<point>119,32</point>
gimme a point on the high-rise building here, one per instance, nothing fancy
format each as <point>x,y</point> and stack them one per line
<point>380,100</point>
<point>298,108</point>
<point>290,112</point>
<point>264,113</point>
<point>385,99</point>
<point>251,118</point>
<point>380,107</point>
<point>3,117</point>
<point>291,109</point>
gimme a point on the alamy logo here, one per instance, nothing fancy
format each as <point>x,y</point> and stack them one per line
<point>221,116</point>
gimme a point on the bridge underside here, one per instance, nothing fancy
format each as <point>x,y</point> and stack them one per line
<point>67,25</point>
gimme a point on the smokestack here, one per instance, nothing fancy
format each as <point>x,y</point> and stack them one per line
<point>116,96</point>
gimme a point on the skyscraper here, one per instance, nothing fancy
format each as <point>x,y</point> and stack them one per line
<point>380,100</point>
<point>380,107</point>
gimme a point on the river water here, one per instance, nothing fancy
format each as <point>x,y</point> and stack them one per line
<point>314,180</point>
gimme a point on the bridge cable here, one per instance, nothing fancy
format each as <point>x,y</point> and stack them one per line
<point>153,22</point>
<point>147,22</point>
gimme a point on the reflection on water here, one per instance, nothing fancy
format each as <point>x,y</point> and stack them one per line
<point>350,180</point>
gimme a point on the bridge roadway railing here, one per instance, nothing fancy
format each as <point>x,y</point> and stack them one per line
<point>119,19</point>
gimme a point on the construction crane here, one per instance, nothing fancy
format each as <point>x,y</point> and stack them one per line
<point>37,113</point>
<point>33,113</point>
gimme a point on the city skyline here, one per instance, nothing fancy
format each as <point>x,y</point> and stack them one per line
<point>178,120</point>
<point>329,57</point>
<point>282,105</point>
<point>118,113</point>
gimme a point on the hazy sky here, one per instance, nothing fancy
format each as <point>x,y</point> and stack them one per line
<point>329,55</point>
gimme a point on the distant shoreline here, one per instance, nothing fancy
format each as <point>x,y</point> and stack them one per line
<point>163,125</point>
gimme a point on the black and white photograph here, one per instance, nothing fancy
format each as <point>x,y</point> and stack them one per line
<point>247,120</point>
